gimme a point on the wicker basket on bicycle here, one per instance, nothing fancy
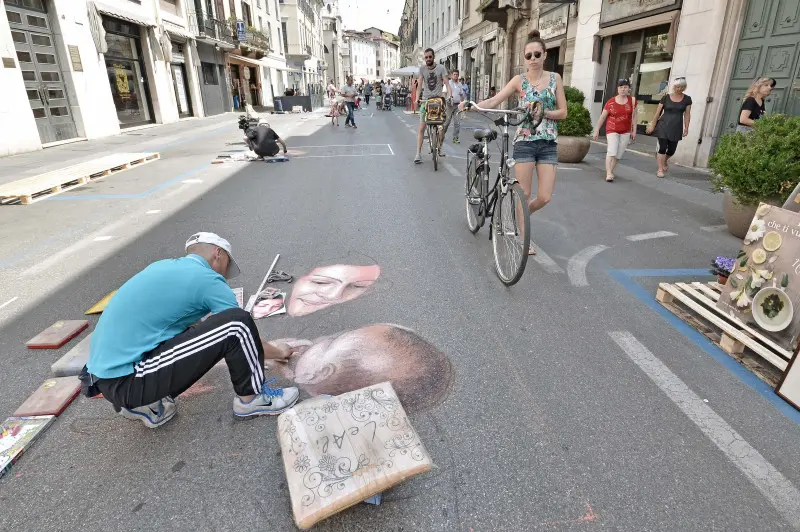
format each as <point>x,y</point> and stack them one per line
<point>435,111</point>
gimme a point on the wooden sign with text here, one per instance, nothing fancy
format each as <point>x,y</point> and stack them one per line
<point>339,451</point>
<point>764,288</point>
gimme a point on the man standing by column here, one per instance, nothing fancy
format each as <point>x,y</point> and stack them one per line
<point>456,97</point>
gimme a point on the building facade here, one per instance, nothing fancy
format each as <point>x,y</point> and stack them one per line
<point>301,22</point>
<point>363,53</point>
<point>719,46</point>
<point>410,48</point>
<point>387,58</point>
<point>332,40</point>
<point>479,47</point>
<point>441,30</point>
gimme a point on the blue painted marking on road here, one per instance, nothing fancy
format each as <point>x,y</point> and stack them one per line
<point>133,196</point>
<point>625,279</point>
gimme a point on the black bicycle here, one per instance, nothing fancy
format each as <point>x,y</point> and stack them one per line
<point>505,201</point>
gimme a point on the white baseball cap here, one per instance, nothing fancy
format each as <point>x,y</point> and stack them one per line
<point>216,240</point>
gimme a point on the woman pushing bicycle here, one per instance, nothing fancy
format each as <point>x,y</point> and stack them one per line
<point>535,147</point>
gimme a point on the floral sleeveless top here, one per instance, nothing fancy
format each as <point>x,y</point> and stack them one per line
<point>548,129</point>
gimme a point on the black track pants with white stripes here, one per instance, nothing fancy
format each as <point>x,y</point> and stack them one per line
<point>176,364</point>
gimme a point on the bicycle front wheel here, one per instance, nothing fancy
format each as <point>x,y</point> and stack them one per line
<point>474,200</point>
<point>511,228</point>
<point>433,136</point>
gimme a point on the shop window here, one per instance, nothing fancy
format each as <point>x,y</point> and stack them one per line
<point>41,40</point>
<point>24,57</point>
<point>654,72</point>
<point>18,36</point>
<point>13,16</point>
<point>39,22</point>
<point>209,74</point>
<point>50,76</point>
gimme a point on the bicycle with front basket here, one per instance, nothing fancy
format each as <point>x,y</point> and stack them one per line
<point>434,119</point>
<point>504,202</point>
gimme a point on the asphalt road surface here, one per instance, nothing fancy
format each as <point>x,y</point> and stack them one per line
<point>575,405</point>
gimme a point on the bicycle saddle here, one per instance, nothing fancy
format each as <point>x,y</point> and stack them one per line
<point>489,134</point>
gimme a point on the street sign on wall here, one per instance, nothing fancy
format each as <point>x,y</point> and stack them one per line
<point>241,31</point>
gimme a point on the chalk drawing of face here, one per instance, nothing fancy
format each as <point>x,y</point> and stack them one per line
<point>421,375</point>
<point>330,285</point>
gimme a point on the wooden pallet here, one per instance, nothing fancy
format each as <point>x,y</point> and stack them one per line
<point>32,189</point>
<point>696,304</point>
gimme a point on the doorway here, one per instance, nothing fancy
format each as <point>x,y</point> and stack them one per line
<point>41,71</point>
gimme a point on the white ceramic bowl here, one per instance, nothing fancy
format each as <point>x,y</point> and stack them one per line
<point>784,317</point>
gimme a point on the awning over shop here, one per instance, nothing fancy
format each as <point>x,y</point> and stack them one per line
<point>254,62</point>
<point>180,33</point>
<point>124,14</point>
<point>633,25</point>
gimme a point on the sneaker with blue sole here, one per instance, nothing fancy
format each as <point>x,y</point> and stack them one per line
<point>153,415</point>
<point>270,402</point>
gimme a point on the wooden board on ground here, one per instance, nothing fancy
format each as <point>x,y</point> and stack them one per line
<point>339,451</point>
<point>100,306</point>
<point>72,362</point>
<point>32,189</point>
<point>57,334</point>
<point>276,159</point>
<point>17,434</point>
<point>51,398</point>
<point>696,304</point>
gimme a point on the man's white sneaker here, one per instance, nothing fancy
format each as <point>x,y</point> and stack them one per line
<point>418,159</point>
<point>269,402</point>
<point>152,415</point>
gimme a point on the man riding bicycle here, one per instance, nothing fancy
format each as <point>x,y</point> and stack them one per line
<point>433,79</point>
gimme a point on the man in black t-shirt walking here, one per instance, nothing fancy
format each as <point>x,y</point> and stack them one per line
<point>264,141</point>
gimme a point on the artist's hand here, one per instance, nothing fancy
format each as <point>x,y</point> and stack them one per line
<point>277,351</point>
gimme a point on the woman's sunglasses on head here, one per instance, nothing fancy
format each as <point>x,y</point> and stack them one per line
<point>530,55</point>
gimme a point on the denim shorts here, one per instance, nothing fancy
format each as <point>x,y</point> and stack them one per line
<point>536,151</point>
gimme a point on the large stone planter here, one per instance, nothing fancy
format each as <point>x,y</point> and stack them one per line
<point>572,149</point>
<point>736,215</point>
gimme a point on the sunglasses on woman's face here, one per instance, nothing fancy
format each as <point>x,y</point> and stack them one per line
<point>529,55</point>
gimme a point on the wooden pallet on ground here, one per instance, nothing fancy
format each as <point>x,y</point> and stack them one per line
<point>32,189</point>
<point>696,304</point>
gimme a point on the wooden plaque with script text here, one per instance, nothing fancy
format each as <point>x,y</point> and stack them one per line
<point>338,451</point>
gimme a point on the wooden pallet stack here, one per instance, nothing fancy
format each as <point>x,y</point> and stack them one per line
<point>32,189</point>
<point>696,304</point>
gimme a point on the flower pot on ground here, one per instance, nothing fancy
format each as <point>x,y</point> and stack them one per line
<point>760,166</point>
<point>573,143</point>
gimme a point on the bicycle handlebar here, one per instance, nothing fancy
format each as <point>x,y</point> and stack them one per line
<point>470,104</point>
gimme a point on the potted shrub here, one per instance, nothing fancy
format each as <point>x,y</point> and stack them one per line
<point>722,267</point>
<point>573,143</point>
<point>760,166</point>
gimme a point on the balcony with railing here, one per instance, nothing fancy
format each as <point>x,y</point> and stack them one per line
<point>210,28</point>
<point>255,41</point>
<point>299,50</point>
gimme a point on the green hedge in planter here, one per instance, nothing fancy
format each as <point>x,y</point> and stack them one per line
<point>574,95</point>
<point>578,122</point>
<point>759,165</point>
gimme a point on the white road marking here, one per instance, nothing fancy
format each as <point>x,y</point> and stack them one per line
<point>336,146</point>
<point>713,228</point>
<point>351,155</point>
<point>775,487</point>
<point>103,238</point>
<point>451,169</point>
<point>576,267</point>
<point>154,211</point>
<point>649,236</point>
<point>390,148</point>
<point>7,303</point>
<point>544,260</point>
<point>192,181</point>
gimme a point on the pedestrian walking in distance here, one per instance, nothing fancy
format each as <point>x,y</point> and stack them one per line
<point>620,117</point>
<point>671,123</point>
